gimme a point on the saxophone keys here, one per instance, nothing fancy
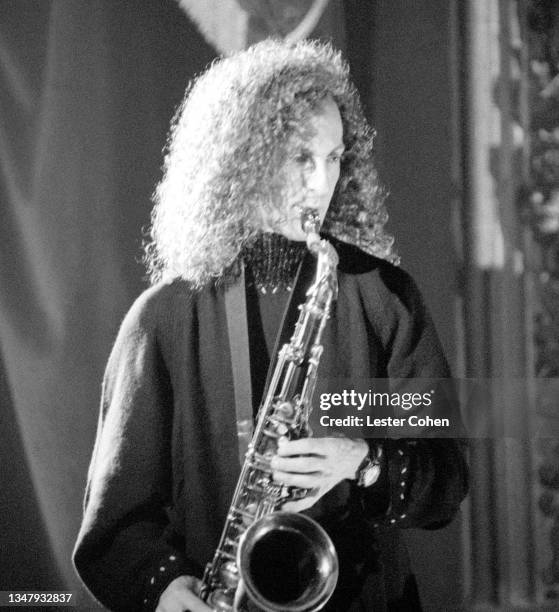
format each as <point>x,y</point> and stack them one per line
<point>272,433</point>
<point>229,574</point>
<point>267,456</point>
<point>282,429</point>
<point>295,354</point>
<point>284,409</point>
<point>297,493</point>
<point>316,354</point>
<point>249,514</point>
<point>261,462</point>
<point>222,600</point>
<point>276,428</point>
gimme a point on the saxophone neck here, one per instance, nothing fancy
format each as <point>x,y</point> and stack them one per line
<point>327,259</point>
<point>310,223</point>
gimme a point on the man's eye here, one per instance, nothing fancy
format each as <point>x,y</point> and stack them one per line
<point>302,158</point>
<point>335,158</point>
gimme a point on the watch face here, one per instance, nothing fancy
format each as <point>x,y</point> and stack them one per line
<point>369,475</point>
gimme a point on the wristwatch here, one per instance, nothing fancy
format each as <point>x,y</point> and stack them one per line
<point>369,470</point>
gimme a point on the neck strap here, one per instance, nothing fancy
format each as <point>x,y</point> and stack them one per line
<point>237,329</point>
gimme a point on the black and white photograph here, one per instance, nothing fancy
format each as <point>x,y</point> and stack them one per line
<point>279,305</point>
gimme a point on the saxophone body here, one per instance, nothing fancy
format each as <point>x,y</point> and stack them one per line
<point>268,559</point>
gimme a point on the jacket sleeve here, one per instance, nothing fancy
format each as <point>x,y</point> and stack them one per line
<point>127,552</point>
<point>423,479</point>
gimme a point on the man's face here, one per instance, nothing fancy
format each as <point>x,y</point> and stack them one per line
<point>313,172</point>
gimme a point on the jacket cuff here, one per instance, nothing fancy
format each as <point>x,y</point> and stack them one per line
<point>162,573</point>
<point>397,472</point>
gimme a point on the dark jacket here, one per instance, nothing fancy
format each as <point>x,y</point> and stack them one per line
<point>165,462</point>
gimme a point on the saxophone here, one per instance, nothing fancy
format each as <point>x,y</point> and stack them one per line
<point>267,559</point>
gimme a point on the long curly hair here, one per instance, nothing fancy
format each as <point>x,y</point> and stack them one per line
<point>238,124</point>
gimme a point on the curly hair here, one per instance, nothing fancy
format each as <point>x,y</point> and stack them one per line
<point>237,125</point>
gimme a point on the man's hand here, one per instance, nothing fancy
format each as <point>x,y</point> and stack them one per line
<point>180,596</point>
<point>316,463</point>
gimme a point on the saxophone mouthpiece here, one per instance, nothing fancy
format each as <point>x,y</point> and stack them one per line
<point>310,222</point>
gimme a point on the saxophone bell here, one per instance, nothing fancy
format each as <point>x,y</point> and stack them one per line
<point>295,548</point>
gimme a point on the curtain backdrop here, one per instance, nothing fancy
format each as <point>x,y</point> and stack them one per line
<point>87,89</point>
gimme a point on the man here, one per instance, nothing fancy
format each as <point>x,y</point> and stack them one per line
<point>259,137</point>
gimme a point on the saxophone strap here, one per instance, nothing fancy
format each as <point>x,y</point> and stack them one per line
<point>237,330</point>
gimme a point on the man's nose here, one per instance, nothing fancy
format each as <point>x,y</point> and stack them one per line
<point>316,178</point>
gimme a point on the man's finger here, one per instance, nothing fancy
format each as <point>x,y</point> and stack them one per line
<point>310,446</point>
<point>181,595</point>
<point>297,464</point>
<point>300,505</point>
<point>307,481</point>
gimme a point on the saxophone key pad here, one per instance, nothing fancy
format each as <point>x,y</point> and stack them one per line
<point>283,409</point>
<point>229,574</point>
